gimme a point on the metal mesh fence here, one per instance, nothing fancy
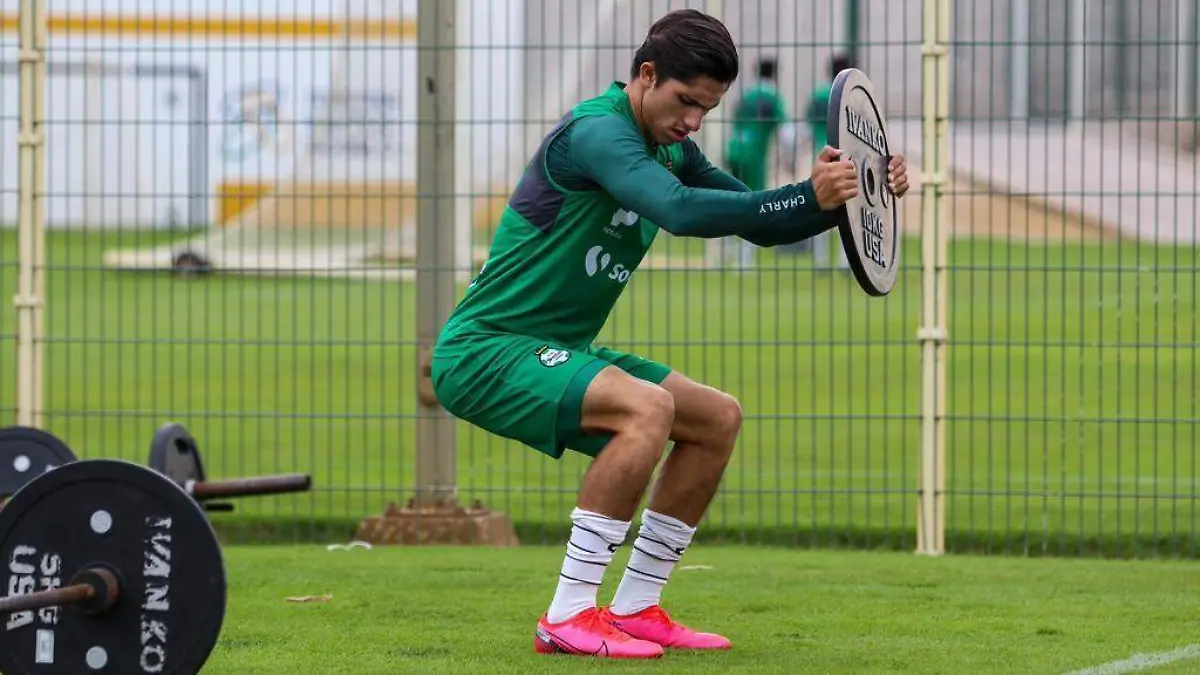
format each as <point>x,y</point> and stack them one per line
<point>1073,408</point>
<point>277,147</point>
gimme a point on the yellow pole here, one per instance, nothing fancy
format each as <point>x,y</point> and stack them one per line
<point>935,112</point>
<point>31,145</point>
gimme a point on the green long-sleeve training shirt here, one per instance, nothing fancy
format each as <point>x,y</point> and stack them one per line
<point>588,207</point>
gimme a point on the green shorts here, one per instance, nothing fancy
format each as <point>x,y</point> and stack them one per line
<point>527,389</point>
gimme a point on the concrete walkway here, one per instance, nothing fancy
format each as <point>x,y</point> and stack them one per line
<point>1144,190</point>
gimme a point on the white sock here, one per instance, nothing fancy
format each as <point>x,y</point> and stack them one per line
<point>594,540</point>
<point>659,545</point>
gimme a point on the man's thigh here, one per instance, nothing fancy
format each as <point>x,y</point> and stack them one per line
<point>645,369</point>
<point>700,409</point>
<point>519,388</point>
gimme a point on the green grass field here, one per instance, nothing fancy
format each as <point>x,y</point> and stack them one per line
<point>1072,393</point>
<point>449,611</point>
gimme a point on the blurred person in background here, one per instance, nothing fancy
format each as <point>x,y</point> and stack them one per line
<point>759,118</point>
<point>826,245</point>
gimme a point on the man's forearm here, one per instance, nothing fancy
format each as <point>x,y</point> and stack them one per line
<point>791,236</point>
<point>789,211</point>
<point>712,177</point>
<point>704,174</point>
<point>617,161</point>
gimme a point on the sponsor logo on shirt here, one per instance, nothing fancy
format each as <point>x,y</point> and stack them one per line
<point>621,219</point>
<point>597,260</point>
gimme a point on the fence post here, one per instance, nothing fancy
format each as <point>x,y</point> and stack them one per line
<point>935,113</point>
<point>1076,65</point>
<point>31,148</point>
<point>1019,25</point>
<point>854,31</point>
<point>434,515</point>
<point>1186,36</point>
<point>436,207</point>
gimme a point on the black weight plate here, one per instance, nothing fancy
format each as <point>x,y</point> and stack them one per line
<point>136,523</point>
<point>174,453</point>
<point>869,223</point>
<point>26,453</point>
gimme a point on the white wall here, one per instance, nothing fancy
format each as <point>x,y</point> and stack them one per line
<point>99,170</point>
<point>118,151</point>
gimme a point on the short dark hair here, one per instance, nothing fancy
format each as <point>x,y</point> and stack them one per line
<point>686,44</point>
<point>766,68</point>
<point>839,63</point>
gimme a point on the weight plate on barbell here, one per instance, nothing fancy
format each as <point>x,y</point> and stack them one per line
<point>174,453</point>
<point>869,223</point>
<point>26,453</point>
<point>172,601</point>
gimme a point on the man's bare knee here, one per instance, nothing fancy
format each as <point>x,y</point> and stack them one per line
<point>652,414</point>
<point>620,404</point>
<point>646,413</point>
<point>727,417</point>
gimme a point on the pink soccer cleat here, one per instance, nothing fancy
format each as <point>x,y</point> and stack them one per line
<point>589,634</point>
<point>653,624</point>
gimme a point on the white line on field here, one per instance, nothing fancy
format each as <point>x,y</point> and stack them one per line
<point>1142,662</point>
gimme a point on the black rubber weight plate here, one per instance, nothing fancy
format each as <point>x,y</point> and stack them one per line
<point>25,454</point>
<point>138,524</point>
<point>174,453</point>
